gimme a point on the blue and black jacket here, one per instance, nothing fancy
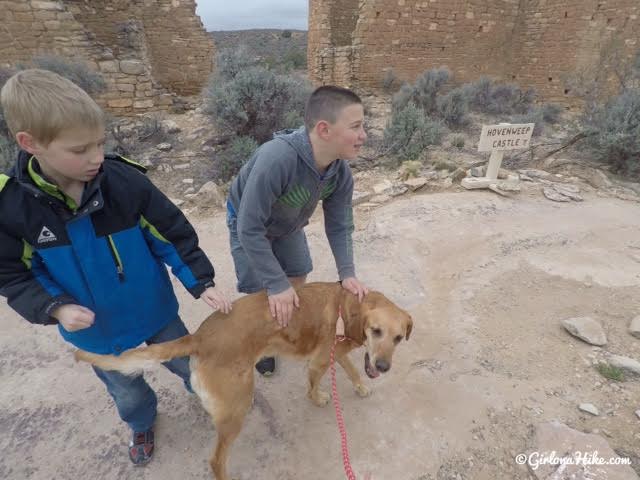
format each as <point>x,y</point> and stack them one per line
<point>107,254</point>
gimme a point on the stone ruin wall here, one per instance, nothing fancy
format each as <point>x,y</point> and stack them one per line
<point>535,43</point>
<point>147,50</point>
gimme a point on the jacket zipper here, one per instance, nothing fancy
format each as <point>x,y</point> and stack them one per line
<point>116,258</point>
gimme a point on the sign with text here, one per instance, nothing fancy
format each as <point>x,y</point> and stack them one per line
<point>505,137</point>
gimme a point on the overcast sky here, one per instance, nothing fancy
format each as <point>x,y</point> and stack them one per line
<point>245,14</point>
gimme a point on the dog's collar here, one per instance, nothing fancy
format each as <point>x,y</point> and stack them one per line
<point>340,323</point>
<point>341,328</point>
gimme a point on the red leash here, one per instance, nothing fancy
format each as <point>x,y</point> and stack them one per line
<point>340,337</point>
<point>336,404</point>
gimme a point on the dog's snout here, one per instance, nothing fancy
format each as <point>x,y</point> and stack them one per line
<point>382,365</point>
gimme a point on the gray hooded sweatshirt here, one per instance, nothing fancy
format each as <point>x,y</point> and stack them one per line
<point>275,194</point>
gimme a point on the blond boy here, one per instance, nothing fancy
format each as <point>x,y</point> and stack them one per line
<point>84,239</point>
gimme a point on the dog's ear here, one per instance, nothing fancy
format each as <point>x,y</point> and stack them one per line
<point>408,327</point>
<point>355,322</point>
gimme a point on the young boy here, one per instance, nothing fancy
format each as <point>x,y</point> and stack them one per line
<point>84,239</point>
<point>276,192</point>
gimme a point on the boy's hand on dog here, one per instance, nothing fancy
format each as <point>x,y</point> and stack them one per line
<point>216,299</point>
<point>355,286</point>
<point>281,306</point>
<point>73,317</point>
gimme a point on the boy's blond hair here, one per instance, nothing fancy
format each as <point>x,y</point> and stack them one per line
<point>44,104</point>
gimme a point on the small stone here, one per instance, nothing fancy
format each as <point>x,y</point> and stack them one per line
<point>42,5</point>
<point>398,190</point>
<point>211,194</point>
<point>359,197</point>
<point>534,173</point>
<point>493,187</point>
<point>476,171</point>
<point>181,166</point>
<point>415,183</point>
<point>176,201</point>
<point>164,147</point>
<point>586,329</point>
<point>634,328</point>
<point>458,174</point>
<point>381,188</point>
<point>589,408</point>
<point>132,67</point>
<point>552,194</point>
<point>170,126</point>
<point>380,199</point>
<point>570,191</point>
<point>638,413</point>
<point>188,181</point>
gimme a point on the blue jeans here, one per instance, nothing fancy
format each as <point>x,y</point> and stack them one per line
<point>292,253</point>
<point>135,400</point>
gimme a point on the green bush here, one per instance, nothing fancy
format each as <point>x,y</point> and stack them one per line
<point>231,61</point>
<point>534,115</point>
<point>410,131</point>
<point>458,141</point>
<point>8,148</point>
<point>295,59</point>
<point>551,113</point>
<point>453,108</point>
<point>5,74</point>
<point>8,153</point>
<point>78,72</point>
<point>256,102</point>
<point>389,80</point>
<point>614,130</point>
<point>402,97</point>
<point>548,113</point>
<point>610,372</point>
<point>494,98</point>
<point>423,93</point>
<point>234,157</point>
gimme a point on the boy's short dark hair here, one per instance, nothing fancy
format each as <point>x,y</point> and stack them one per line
<point>326,102</point>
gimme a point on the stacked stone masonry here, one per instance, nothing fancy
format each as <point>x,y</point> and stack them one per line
<point>535,43</point>
<point>147,50</point>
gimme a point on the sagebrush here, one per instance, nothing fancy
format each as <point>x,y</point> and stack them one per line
<point>231,160</point>
<point>614,132</point>
<point>410,131</point>
<point>256,102</point>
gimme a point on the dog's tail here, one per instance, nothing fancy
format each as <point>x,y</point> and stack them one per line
<point>136,360</point>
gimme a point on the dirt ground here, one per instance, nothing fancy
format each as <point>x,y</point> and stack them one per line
<point>487,279</point>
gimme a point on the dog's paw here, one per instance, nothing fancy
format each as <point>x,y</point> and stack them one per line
<point>320,398</point>
<point>362,390</point>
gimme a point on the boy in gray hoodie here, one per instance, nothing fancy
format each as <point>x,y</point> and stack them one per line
<point>277,191</point>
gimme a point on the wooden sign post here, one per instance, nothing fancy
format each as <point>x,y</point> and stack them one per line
<point>497,139</point>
